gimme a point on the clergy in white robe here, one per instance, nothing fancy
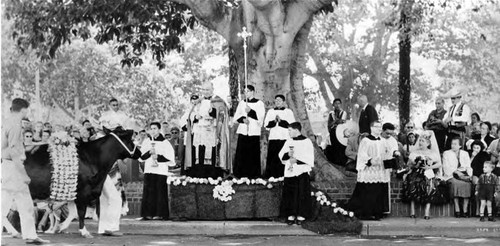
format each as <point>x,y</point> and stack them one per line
<point>370,197</point>
<point>297,155</point>
<point>158,155</point>
<point>250,116</point>
<point>277,121</point>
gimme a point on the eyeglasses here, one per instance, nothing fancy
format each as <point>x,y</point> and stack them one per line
<point>28,136</point>
<point>410,127</point>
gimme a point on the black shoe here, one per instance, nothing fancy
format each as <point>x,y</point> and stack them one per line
<point>299,222</point>
<point>427,218</point>
<point>289,222</point>
<point>482,219</point>
<point>466,215</point>
<point>462,215</point>
<point>413,216</point>
<point>457,214</point>
<point>491,218</point>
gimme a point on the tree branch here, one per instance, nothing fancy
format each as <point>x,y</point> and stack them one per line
<point>210,14</point>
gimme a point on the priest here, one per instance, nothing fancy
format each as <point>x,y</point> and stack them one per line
<point>369,199</point>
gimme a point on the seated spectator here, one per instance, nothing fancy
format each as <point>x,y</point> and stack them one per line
<point>475,122</point>
<point>92,132</point>
<point>494,130</point>
<point>411,140</point>
<point>485,133</point>
<point>494,149</point>
<point>476,135</point>
<point>45,136</point>
<point>37,131</point>
<point>409,127</point>
<point>420,186</point>
<point>25,122</point>
<point>458,173</point>
<point>47,126</point>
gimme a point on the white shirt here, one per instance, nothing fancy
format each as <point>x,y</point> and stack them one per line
<point>111,119</point>
<point>162,148</point>
<point>277,132</point>
<point>450,163</point>
<point>303,151</point>
<point>254,126</point>
<point>465,117</point>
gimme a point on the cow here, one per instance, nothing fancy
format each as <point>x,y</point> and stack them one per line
<point>96,158</point>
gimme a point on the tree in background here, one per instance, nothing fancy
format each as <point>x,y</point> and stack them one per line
<point>277,47</point>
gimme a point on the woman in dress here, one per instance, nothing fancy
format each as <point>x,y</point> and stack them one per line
<point>478,156</point>
<point>458,173</point>
<point>420,184</point>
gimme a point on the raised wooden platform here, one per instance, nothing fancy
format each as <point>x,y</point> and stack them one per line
<point>196,202</point>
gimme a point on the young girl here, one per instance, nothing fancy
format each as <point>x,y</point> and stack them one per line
<point>486,190</point>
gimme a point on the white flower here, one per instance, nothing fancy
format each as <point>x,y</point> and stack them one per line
<point>334,204</point>
<point>336,210</point>
<point>328,203</point>
<point>344,212</point>
<point>318,199</point>
<point>351,214</point>
<point>269,186</point>
<point>312,193</point>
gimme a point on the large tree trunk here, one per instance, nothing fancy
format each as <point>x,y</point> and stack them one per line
<point>404,63</point>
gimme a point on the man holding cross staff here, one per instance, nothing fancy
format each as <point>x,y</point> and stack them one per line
<point>250,117</point>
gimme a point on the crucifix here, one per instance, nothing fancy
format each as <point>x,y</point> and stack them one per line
<point>244,34</point>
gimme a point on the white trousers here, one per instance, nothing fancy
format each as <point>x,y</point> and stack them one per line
<point>21,197</point>
<point>110,207</point>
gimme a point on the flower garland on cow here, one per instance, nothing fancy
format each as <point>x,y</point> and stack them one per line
<point>64,160</point>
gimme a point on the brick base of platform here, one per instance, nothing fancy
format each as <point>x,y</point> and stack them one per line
<point>339,191</point>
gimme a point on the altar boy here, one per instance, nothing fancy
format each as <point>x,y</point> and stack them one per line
<point>297,155</point>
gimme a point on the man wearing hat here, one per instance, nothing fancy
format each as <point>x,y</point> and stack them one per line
<point>457,118</point>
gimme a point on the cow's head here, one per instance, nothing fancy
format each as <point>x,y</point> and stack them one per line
<point>126,143</point>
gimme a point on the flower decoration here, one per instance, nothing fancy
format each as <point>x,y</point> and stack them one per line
<point>323,200</point>
<point>64,160</point>
<point>223,188</point>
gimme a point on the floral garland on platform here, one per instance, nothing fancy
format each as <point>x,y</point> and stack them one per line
<point>323,200</point>
<point>64,160</point>
<point>223,188</point>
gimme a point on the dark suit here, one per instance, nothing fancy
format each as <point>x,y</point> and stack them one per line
<point>367,116</point>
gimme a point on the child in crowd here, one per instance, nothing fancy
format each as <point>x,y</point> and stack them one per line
<point>486,187</point>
